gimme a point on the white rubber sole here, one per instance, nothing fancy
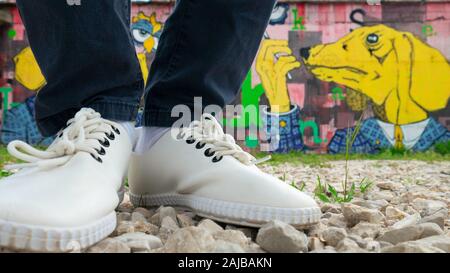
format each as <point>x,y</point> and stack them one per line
<point>49,239</point>
<point>233,213</point>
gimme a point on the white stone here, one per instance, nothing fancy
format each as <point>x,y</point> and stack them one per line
<point>153,241</point>
<point>333,235</point>
<point>372,204</point>
<point>381,195</point>
<point>337,220</point>
<point>440,241</point>
<point>185,220</point>
<point>315,244</point>
<point>411,247</point>
<point>366,230</point>
<point>123,216</point>
<point>233,236</point>
<point>357,239</point>
<point>389,186</point>
<point>190,240</point>
<point>428,207</point>
<point>139,241</point>
<point>355,214</point>
<point>167,212</point>
<point>124,227</point>
<point>137,216</point>
<point>249,232</point>
<point>145,227</point>
<point>348,245</point>
<point>168,226</point>
<point>437,218</point>
<point>394,214</point>
<point>328,207</point>
<point>147,213</point>
<point>430,229</point>
<point>109,245</point>
<point>317,229</point>
<point>277,237</point>
<point>410,233</point>
<point>373,246</point>
<point>325,250</point>
<point>210,226</point>
<point>155,219</point>
<point>226,247</point>
<point>126,207</point>
<point>410,220</point>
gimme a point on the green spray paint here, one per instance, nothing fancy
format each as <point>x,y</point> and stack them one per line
<point>12,33</point>
<point>428,31</point>
<point>299,23</point>
<point>337,93</point>
<point>313,125</point>
<point>5,92</point>
<point>250,96</point>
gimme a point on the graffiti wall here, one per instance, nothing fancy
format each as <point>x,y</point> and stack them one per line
<point>328,66</point>
<point>325,72</point>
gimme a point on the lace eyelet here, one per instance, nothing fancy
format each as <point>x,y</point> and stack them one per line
<point>217,159</point>
<point>200,145</point>
<point>101,151</point>
<point>104,143</point>
<point>111,136</point>
<point>97,158</point>
<point>180,136</point>
<point>117,131</point>
<point>190,140</point>
<point>209,153</point>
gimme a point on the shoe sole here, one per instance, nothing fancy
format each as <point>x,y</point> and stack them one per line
<point>232,213</point>
<point>32,238</point>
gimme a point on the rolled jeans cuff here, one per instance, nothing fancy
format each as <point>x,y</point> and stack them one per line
<point>112,110</point>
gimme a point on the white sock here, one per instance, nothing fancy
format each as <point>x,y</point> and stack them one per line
<point>129,128</point>
<point>147,136</point>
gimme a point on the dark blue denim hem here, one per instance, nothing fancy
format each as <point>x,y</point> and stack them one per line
<point>112,110</point>
<point>158,117</point>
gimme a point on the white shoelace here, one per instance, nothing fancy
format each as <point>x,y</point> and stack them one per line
<point>85,132</point>
<point>207,130</point>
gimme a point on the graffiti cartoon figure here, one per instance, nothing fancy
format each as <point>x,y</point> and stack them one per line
<point>399,73</point>
<point>279,14</point>
<point>273,63</point>
<point>27,70</point>
<point>146,32</point>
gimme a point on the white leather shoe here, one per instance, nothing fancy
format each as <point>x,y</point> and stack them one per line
<point>202,168</point>
<point>65,197</point>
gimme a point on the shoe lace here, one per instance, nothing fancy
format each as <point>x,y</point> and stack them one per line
<point>83,133</point>
<point>208,130</point>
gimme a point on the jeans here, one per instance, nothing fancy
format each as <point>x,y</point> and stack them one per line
<point>87,55</point>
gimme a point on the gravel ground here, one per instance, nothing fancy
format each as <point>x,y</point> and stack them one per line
<point>405,210</point>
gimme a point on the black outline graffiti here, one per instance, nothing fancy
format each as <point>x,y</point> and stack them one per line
<point>356,21</point>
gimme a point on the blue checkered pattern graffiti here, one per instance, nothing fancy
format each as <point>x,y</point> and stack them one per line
<point>283,130</point>
<point>19,124</point>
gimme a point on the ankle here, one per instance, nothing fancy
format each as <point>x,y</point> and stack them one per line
<point>129,128</point>
<point>147,137</point>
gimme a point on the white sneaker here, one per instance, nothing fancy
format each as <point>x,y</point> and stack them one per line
<point>64,198</point>
<point>202,168</point>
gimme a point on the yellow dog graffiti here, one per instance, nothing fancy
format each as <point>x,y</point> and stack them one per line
<point>393,68</point>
